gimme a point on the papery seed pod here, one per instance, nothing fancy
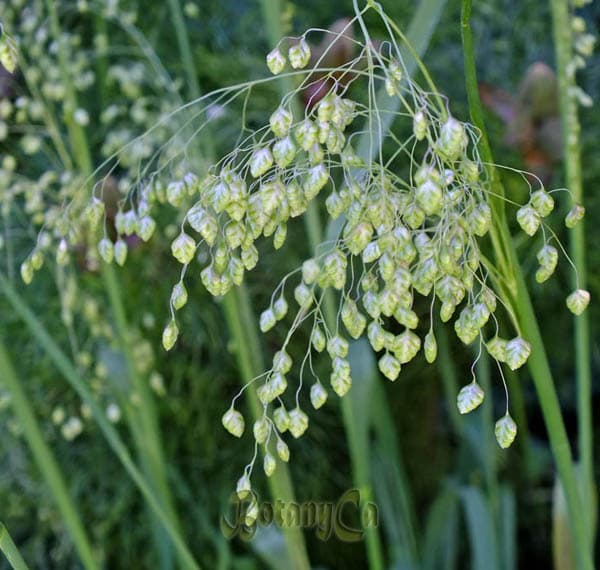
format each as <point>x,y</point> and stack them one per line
<point>221,196</point>
<point>275,61</point>
<point>315,181</point>
<point>406,317</point>
<point>430,347</point>
<point>306,134</point>
<point>27,271</point>
<point>578,301</point>
<point>465,328</point>
<point>269,464</point>
<point>406,346</point>
<point>145,227</point>
<point>505,431</point>
<point>303,296</point>
<point>183,248</point>
<point>130,222</point>
<point>335,205</point>
<point>233,422</point>
<point>299,54</point>
<point>318,395</point>
<point>281,121</point>
<point>283,451</point>
<point>335,141</point>
<point>470,171</point>
<point>280,235</point>
<point>249,256</point>
<point>94,212</point>
<point>179,296</point>
<point>261,430</point>
<point>176,193</point>
<point>298,422</point>
<point>390,87</point>
<point>62,253</point>
<point>341,383</point>
<point>37,259</point>
<point>310,271</point>
<point>372,304</point>
<point>542,203</point>
<point>324,129</point>
<point>359,237</point>
<point>243,486</point>
<point>419,125</point>
<point>260,161</point>
<point>170,334</point>
<point>528,219</point>
<point>106,250</point>
<point>413,216</point>
<point>376,336</point>
<point>575,215</point>
<point>372,252</point>
<point>429,197</point>
<point>251,514</point>
<point>453,139</point>
<point>204,223</point>
<point>281,419</point>
<point>480,219</point>
<point>496,347</point>
<point>317,339</point>
<point>280,308</point>
<point>325,108</point>
<point>389,366</point>
<point>517,352</point>
<point>267,320</point>
<point>120,251</point>
<point>235,232</point>
<point>470,397</point>
<point>337,346</point>
<point>284,152</point>
<point>282,362</point>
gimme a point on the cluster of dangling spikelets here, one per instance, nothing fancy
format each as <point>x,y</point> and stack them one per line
<point>398,236</point>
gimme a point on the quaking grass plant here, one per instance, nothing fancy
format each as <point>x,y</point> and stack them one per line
<point>413,220</point>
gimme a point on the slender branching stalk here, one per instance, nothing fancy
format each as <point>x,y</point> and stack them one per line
<point>10,550</point>
<point>45,460</point>
<point>563,45</point>
<point>516,296</point>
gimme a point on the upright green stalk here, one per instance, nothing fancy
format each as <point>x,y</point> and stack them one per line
<point>241,322</point>
<point>516,295</point>
<point>143,419</point>
<point>563,45</point>
<point>10,550</point>
<point>45,460</point>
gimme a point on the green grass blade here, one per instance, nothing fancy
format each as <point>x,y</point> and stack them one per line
<point>10,550</point>
<point>571,133</point>
<point>69,372</point>
<point>45,459</point>
<point>481,529</point>
<point>143,421</point>
<point>517,296</point>
<point>440,546</point>
<point>507,529</point>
